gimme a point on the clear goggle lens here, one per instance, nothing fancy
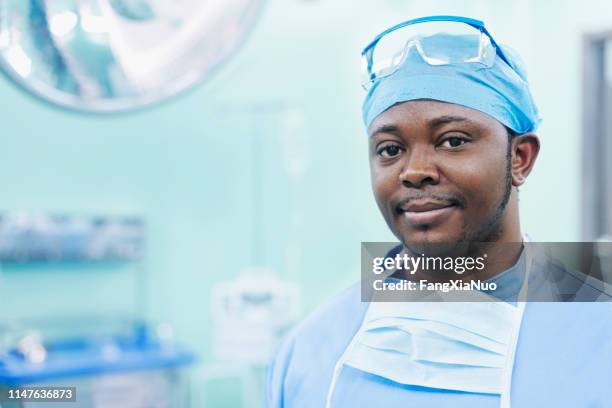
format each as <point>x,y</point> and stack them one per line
<point>437,43</point>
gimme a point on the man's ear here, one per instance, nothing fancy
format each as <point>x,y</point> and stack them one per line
<point>525,149</point>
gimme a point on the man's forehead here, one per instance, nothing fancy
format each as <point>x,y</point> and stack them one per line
<point>430,113</point>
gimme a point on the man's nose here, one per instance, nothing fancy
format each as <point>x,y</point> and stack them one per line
<point>419,170</point>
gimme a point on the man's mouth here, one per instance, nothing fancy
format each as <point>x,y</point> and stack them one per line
<point>426,212</point>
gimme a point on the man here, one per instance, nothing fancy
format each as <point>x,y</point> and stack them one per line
<point>450,121</point>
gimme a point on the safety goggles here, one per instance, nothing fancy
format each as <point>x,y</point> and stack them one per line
<point>388,51</point>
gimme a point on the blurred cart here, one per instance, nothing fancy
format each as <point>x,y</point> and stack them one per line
<point>136,371</point>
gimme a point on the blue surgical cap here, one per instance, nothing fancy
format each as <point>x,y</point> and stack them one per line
<point>498,90</point>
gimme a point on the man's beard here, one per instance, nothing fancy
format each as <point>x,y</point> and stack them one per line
<point>492,229</point>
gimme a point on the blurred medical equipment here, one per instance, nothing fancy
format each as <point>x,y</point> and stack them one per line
<point>73,243</point>
<point>113,359</point>
<point>250,315</point>
<point>113,55</point>
<point>36,237</point>
<point>137,368</point>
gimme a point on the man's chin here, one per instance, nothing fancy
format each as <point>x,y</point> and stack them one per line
<point>431,243</point>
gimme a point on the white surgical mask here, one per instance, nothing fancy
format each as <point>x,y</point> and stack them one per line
<point>462,346</point>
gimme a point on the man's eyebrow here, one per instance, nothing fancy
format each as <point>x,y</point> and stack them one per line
<point>387,128</point>
<point>443,120</point>
<point>432,124</point>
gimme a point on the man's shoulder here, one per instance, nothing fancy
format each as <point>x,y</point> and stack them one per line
<point>335,321</point>
<point>575,286</point>
<point>305,359</point>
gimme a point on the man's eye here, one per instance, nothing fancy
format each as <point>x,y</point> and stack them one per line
<point>389,151</point>
<point>452,142</point>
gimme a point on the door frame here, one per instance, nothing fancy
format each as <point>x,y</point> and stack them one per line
<point>596,203</point>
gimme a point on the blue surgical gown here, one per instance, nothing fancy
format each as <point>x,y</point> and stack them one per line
<point>563,359</point>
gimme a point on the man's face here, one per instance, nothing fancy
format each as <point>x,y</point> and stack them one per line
<point>440,174</point>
